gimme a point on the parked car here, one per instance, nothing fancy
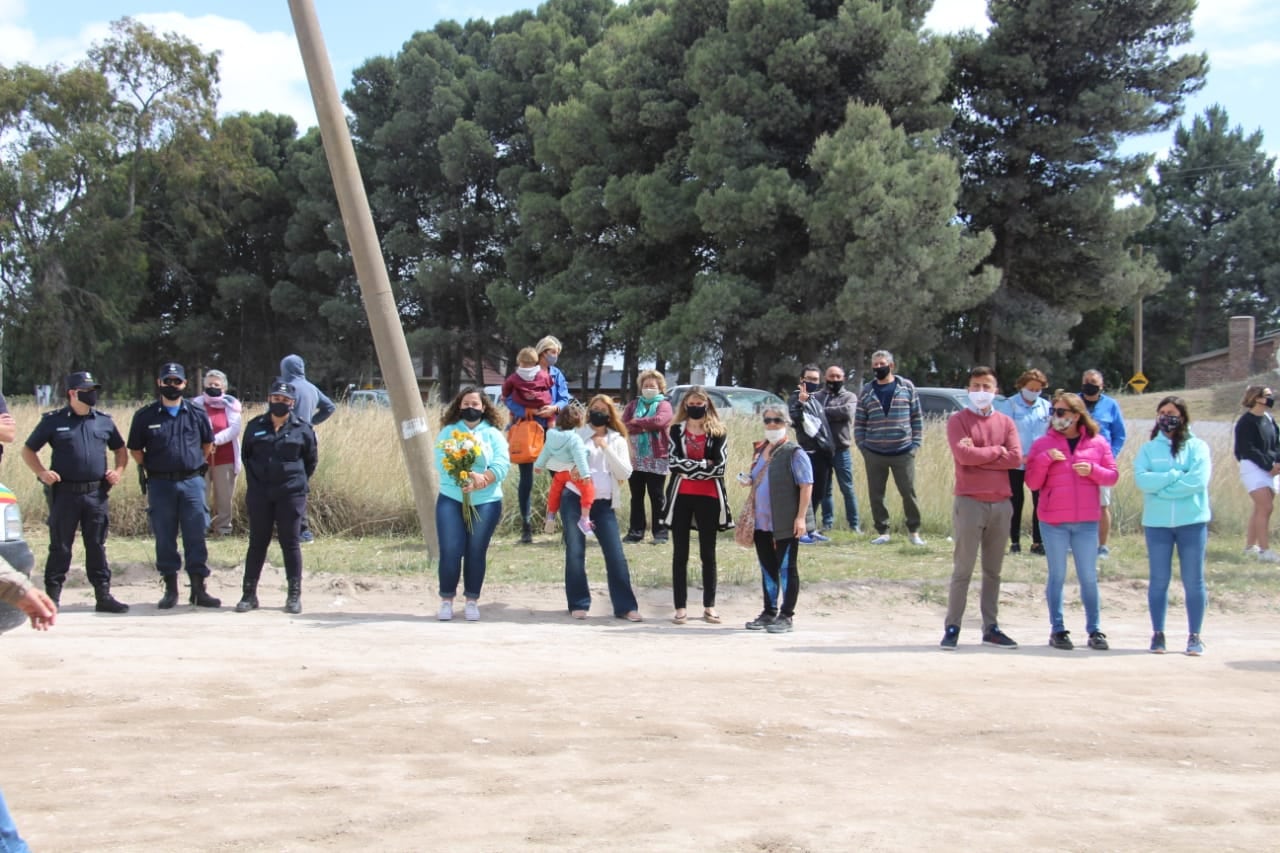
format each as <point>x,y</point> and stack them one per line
<point>14,550</point>
<point>369,399</point>
<point>942,402</point>
<point>730,399</point>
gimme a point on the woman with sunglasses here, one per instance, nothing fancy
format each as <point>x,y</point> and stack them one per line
<point>781,481</point>
<point>696,497</point>
<point>1069,464</point>
<point>1172,471</point>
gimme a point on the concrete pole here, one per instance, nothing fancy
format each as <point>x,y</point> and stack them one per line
<point>379,300</point>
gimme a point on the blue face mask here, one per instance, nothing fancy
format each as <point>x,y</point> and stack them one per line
<point>1029,396</point>
<point>551,358</point>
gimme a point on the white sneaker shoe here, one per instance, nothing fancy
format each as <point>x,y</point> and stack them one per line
<point>446,611</point>
<point>471,610</point>
<point>1252,551</point>
<point>549,526</point>
<point>915,539</point>
<point>882,539</point>
<point>1268,556</point>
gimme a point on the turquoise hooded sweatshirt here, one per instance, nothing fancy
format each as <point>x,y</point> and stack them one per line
<point>1175,489</point>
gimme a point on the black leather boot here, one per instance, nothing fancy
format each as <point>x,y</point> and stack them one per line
<point>199,597</point>
<point>54,591</point>
<point>526,533</point>
<point>293,602</point>
<point>170,597</point>
<point>248,595</point>
<point>105,602</point>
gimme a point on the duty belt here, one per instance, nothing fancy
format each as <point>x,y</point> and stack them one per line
<point>173,475</point>
<point>81,488</point>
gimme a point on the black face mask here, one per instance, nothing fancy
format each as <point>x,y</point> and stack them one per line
<point>883,372</point>
<point>213,392</point>
<point>88,397</point>
<point>279,409</point>
<point>170,392</point>
<point>598,419</point>
<point>1270,402</point>
<point>472,416</point>
<point>696,413</point>
<point>1089,389</point>
<point>811,387</point>
<point>835,387</point>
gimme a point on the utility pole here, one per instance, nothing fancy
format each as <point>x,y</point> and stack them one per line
<point>379,300</point>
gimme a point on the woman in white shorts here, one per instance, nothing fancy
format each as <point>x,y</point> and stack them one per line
<point>1257,447</point>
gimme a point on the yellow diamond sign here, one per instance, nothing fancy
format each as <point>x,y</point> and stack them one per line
<point>1138,382</point>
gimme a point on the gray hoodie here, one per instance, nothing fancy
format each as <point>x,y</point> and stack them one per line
<point>312,406</point>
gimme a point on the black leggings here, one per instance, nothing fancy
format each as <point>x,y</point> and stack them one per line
<point>704,513</point>
<point>1016,480</point>
<point>643,482</point>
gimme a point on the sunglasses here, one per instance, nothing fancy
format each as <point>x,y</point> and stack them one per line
<point>774,421</point>
<point>173,381</point>
<point>1062,413</point>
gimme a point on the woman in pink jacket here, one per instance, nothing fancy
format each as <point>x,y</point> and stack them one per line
<point>1068,464</point>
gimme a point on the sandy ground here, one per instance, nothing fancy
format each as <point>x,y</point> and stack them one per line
<point>364,724</point>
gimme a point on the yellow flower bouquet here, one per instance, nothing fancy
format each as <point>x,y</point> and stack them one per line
<point>461,451</point>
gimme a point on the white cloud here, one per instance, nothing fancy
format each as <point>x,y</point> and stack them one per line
<point>952,16</point>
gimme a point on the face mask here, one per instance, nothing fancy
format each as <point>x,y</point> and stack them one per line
<point>811,387</point>
<point>696,413</point>
<point>1062,424</point>
<point>883,372</point>
<point>551,358</point>
<point>1169,423</point>
<point>472,416</point>
<point>772,435</point>
<point>649,393</point>
<point>213,392</point>
<point>835,387</point>
<point>528,374</point>
<point>1270,402</point>
<point>279,409</point>
<point>981,399</point>
<point>1089,389</point>
<point>1029,396</point>
<point>598,419</point>
<point>169,392</point>
<point>89,397</point>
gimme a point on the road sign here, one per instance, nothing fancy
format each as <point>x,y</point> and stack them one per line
<point>1138,382</point>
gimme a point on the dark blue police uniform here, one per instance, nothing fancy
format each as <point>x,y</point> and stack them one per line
<point>171,441</point>
<point>79,499</point>
<point>278,464</point>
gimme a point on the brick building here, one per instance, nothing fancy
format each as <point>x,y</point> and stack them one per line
<point>1246,354</point>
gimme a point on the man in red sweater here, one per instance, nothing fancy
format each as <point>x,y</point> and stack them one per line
<point>985,446</point>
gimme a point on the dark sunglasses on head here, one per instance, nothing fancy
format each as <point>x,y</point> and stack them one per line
<point>1062,413</point>
<point>774,421</point>
<point>172,380</point>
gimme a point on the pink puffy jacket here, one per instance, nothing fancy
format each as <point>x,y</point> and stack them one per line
<point>1065,496</point>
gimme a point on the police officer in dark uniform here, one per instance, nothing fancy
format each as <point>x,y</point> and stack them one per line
<point>171,440</point>
<point>77,481</point>
<point>279,454</point>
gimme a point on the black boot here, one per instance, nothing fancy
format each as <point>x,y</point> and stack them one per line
<point>249,595</point>
<point>106,602</point>
<point>526,533</point>
<point>293,601</point>
<point>54,591</point>
<point>170,597</point>
<point>200,598</point>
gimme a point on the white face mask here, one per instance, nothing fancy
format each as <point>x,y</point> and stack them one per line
<point>1062,424</point>
<point>527,373</point>
<point>981,399</point>
<point>1030,396</point>
<point>648,393</point>
<point>772,435</point>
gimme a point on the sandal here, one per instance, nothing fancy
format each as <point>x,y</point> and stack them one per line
<point>680,618</point>
<point>711,616</point>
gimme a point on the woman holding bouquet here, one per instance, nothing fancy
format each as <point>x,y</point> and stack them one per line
<point>472,459</point>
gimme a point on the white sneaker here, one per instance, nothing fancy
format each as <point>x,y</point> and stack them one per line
<point>1252,551</point>
<point>446,611</point>
<point>1268,556</point>
<point>882,539</point>
<point>471,610</point>
<point>915,539</point>
<point>549,526</point>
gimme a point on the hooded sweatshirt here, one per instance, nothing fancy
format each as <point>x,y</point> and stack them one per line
<point>312,406</point>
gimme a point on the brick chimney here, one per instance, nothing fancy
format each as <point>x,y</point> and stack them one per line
<point>1240,338</point>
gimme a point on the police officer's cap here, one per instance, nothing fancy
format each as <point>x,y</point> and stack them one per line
<point>172,368</point>
<point>283,389</point>
<point>81,381</point>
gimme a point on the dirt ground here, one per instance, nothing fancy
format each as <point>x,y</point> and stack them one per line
<point>364,724</point>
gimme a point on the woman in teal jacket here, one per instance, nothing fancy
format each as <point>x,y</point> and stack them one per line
<point>1172,471</point>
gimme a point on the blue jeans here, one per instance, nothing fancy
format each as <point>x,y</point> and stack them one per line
<point>463,552</point>
<point>576,590</point>
<point>1191,541</point>
<point>1083,539</point>
<point>10,842</point>
<point>173,506</point>
<point>842,466</point>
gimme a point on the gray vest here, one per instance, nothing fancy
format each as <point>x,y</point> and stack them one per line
<point>784,493</point>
